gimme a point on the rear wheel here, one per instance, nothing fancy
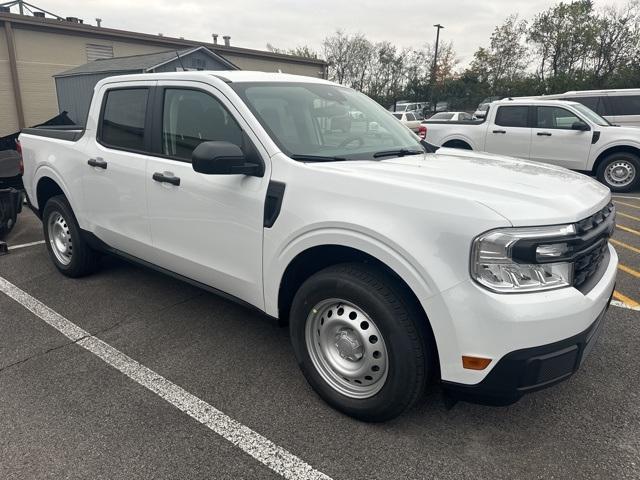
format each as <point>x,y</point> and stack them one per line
<point>69,251</point>
<point>620,171</point>
<point>360,342</point>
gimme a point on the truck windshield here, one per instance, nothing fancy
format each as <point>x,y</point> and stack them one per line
<point>591,115</point>
<point>310,119</point>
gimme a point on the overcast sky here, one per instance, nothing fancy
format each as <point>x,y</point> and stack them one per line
<point>288,23</point>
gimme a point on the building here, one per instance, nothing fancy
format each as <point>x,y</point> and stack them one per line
<point>74,87</point>
<point>34,49</point>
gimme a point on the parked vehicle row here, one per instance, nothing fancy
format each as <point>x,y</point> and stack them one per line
<point>393,266</point>
<point>557,132</point>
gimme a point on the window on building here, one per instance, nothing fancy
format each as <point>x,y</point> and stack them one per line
<point>97,52</point>
<point>516,116</point>
<point>191,117</point>
<point>123,118</point>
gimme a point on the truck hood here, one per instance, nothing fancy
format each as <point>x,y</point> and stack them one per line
<point>525,193</point>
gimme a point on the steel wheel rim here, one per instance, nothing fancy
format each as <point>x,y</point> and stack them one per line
<point>60,238</point>
<point>620,173</point>
<point>346,348</point>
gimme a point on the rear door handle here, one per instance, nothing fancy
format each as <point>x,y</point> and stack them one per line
<point>499,131</point>
<point>166,178</point>
<point>543,134</point>
<point>98,163</point>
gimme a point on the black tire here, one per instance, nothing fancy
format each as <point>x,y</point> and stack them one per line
<point>7,226</point>
<point>407,338</point>
<point>84,260</point>
<point>625,158</point>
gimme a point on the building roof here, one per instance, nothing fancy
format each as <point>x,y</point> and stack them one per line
<point>82,28</point>
<point>139,63</point>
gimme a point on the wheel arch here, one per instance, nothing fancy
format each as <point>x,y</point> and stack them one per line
<point>457,143</point>
<point>315,258</point>
<point>613,149</point>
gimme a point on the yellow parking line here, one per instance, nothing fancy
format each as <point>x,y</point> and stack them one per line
<point>624,245</point>
<point>627,229</point>
<point>637,219</point>
<point>629,270</point>
<point>624,299</point>
<point>627,204</point>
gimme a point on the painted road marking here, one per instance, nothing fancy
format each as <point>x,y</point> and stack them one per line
<point>624,245</point>
<point>616,303</point>
<point>25,245</point>
<point>629,270</point>
<point>637,219</point>
<point>627,196</point>
<point>627,204</point>
<point>265,451</point>
<point>625,301</point>
<point>627,229</point>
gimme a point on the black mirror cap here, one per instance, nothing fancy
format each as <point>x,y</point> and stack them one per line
<point>583,127</point>
<point>223,158</point>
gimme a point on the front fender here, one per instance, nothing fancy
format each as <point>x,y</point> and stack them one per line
<point>596,153</point>
<point>369,242</point>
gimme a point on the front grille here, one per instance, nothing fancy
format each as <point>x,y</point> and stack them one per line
<point>596,231</point>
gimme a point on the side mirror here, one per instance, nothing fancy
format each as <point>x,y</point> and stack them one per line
<point>223,158</point>
<point>581,126</point>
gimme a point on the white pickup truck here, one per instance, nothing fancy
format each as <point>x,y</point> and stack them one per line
<point>558,132</point>
<point>393,266</point>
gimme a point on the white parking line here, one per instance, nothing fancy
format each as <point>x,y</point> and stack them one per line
<point>265,451</point>
<point>618,303</point>
<point>24,245</point>
<point>626,196</point>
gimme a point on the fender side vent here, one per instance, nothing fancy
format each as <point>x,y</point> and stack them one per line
<point>273,203</point>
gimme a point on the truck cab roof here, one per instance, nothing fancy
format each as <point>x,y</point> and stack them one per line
<point>227,76</point>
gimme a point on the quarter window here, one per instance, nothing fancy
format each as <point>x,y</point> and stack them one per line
<point>625,104</point>
<point>123,118</point>
<point>191,117</point>
<point>513,116</point>
<point>594,103</point>
<point>555,117</point>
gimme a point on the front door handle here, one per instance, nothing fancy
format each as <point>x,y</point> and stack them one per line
<point>543,134</point>
<point>499,131</point>
<point>98,163</point>
<point>166,178</point>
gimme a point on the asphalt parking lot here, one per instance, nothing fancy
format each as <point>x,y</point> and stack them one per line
<point>237,405</point>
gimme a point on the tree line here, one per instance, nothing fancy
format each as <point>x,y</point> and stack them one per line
<point>570,46</point>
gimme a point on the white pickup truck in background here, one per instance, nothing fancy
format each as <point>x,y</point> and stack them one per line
<point>558,132</point>
<point>393,265</point>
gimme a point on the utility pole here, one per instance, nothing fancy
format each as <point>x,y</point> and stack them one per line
<point>435,60</point>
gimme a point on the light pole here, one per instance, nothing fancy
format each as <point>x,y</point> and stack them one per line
<point>435,61</point>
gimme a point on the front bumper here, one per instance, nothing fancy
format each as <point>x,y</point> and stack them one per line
<point>530,369</point>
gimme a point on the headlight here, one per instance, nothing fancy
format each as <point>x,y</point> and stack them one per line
<point>515,260</point>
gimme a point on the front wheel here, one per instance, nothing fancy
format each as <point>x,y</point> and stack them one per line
<point>360,341</point>
<point>620,171</point>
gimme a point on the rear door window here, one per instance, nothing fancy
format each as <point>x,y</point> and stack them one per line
<point>513,116</point>
<point>411,117</point>
<point>625,105</point>
<point>123,119</point>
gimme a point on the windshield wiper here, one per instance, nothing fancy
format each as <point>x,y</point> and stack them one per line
<point>317,158</point>
<point>397,153</point>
